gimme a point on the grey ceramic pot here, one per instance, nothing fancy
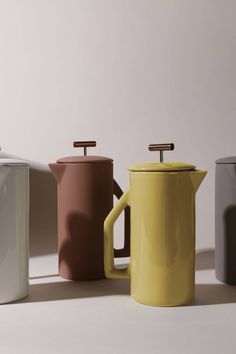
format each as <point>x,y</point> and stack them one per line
<point>225,220</point>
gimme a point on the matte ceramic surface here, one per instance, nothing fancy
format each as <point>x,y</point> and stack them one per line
<point>85,189</point>
<point>162,236</point>
<point>225,220</point>
<point>14,226</point>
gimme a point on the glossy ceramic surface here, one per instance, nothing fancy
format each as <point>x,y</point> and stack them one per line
<point>162,236</point>
<point>161,166</point>
<point>14,224</point>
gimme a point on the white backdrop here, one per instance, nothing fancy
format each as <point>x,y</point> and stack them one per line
<point>125,73</point>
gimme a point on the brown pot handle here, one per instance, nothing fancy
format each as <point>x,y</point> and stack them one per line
<point>125,251</point>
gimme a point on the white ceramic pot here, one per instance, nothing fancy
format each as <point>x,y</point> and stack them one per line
<point>14,229</point>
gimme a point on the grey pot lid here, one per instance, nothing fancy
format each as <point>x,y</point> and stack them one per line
<point>227,160</point>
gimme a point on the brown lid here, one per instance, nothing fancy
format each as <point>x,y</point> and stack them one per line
<point>85,158</point>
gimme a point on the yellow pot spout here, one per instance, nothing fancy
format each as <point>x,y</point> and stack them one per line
<point>197,178</point>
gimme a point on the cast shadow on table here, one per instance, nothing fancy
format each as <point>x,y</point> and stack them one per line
<point>214,294</point>
<point>206,294</point>
<point>211,294</point>
<point>205,259</point>
<point>43,213</point>
<point>64,290</point>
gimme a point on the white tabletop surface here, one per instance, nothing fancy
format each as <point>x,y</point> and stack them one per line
<point>100,317</point>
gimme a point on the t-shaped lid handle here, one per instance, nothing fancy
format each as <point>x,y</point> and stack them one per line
<point>161,148</point>
<point>84,144</point>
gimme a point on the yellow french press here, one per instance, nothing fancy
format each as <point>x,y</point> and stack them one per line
<point>162,202</point>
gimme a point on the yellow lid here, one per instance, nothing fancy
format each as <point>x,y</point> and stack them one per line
<point>161,167</point>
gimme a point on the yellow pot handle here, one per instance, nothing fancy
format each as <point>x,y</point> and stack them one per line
<point>110,270</point>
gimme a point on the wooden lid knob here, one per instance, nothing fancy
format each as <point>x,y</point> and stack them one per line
<point>84,144</point>
<point>77,144</point>
<point>161,148</point>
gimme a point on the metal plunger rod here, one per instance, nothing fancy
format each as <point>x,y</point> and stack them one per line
<point>161,156</point>
<point>84,144</point>
<point>161,148</point>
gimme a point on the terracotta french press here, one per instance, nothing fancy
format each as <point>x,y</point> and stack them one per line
<point>162,255</point>
<point>85,189</point>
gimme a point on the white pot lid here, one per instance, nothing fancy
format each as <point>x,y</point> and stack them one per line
<point>13,162</point>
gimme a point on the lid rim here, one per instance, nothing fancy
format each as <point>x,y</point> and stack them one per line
<point>165,171</point>
<point>74,162</point>
<point>84,159</point>
<point>228,160</point>
<point>162,167</point>
<point>13,162</point>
